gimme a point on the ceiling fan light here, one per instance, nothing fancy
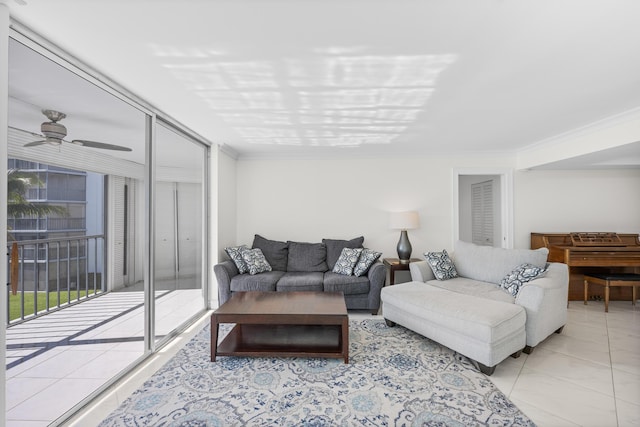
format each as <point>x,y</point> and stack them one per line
<point>53,130</point>
<point>54,141</point>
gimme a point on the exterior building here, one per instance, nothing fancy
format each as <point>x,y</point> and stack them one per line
<point>54,245</point>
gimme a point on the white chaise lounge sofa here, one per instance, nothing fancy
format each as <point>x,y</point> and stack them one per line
<point>471,313</point>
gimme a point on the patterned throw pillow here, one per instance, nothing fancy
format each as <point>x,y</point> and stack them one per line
<point>366,260</point>
<point>235,253</point>
<point>255,260</point>
<point>520,275</point>
<point>347,261</point>
<point>441,265</point>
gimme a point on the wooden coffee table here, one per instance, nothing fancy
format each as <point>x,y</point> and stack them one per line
<point>288,324</point>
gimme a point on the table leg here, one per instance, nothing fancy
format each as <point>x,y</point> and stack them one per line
<point>586,291</point>
<point>606,298</point>
<point>345,339</point>
<point>634,295</point>
<point>214,336</point>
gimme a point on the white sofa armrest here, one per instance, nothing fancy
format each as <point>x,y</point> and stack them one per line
<point>421,271</point>
<point>545,301</point>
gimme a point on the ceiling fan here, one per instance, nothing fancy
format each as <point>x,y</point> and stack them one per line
<point>54,132</point>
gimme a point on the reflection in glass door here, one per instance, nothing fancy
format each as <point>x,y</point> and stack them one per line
<point>90,184</point>
<point>179,230</point>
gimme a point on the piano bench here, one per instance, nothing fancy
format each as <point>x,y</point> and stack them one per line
<point>609,280</point>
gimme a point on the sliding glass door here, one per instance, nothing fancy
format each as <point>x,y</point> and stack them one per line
<point>179,247</point>
<point>122,260</point>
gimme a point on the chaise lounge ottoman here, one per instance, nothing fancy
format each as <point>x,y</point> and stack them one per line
<point>484,330</point>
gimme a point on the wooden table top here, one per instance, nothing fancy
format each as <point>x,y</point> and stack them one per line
<point>284,303</point>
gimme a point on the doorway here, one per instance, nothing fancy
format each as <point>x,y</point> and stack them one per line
<point>483,206</point>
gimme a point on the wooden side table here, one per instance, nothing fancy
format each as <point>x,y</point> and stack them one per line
<point>393,264</point>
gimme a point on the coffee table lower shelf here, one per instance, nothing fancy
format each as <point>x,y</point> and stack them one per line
<point>283,341</point>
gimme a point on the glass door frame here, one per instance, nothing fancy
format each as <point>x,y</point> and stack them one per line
<point>52,52</point>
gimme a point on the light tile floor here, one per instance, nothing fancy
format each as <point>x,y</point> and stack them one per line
<point>587,376</point>
<point>56,361</point>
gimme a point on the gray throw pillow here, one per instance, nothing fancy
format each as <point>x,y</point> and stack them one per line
<point>255,260</point>
<point>366,260</point>
<point>235,253</point>
<point>347,261</point>
<point>307,257</point>
<point>520,275</point>
<point>441,265</point>
<point>275,252</point>
<point>335,247</point>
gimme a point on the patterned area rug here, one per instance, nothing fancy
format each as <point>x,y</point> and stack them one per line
<point>395,378</point>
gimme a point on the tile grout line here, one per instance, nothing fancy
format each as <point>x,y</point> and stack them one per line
<point>513,386</point>
<point>613,382</point>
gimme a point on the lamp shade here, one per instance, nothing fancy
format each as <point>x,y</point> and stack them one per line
<point>404,220</point>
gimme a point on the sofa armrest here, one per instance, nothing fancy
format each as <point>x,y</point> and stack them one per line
<point>377,276</point>
<point>421,271</point>
<point>225,271</point>
<point>545,301</point>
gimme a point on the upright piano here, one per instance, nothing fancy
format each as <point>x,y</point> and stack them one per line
<point>592,253</point>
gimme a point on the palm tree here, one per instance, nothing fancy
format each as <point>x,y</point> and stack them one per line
<point>17,204</point>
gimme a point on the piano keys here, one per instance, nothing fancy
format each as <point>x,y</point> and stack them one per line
<point>592,253</point>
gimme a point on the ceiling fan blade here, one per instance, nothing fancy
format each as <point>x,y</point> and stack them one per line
<point>27,131</point>
<point>35,143</point>
<point>101,145</point>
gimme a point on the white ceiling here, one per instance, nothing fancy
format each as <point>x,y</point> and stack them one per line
<point>363,77</point>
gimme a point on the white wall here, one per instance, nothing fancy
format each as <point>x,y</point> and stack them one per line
<point>226,203</point>
<point>566,201</point>
<point>223,213</point>
<point>307,200</point>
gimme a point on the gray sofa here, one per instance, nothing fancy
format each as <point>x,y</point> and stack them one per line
<point>471,313</point>
<point>301,266</point>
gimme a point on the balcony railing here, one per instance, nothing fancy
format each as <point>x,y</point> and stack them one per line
<point>46,224</point>
<point>48,274</point>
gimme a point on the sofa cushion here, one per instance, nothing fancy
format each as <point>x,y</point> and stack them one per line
<point>476,288</point>
<point>463,323</point>
<point>441,265</point>
<point>275,252</point>
<point>347,261</point>
<point>235,253</point>
<point>366,260</point>
<point>334,248</point>
<point>490,264</point>
<point>519,276</point>
<point>307,257</point>
<point>258,282</point>
<point>299,281</point>
<point>255,261</point>
<point>348,285</point>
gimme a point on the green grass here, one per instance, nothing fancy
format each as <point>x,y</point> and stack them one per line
<point>15,301</point>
